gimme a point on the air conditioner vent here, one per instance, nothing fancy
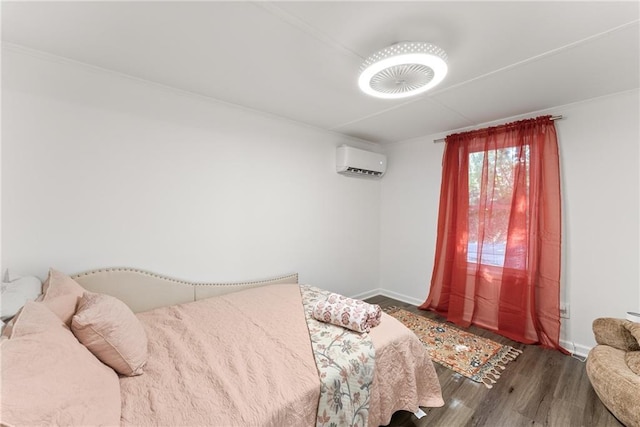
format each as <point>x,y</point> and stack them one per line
<point>357,171</point>
<point>356,162</point>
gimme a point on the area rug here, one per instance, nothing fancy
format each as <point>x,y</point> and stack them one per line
<point>477,358</point>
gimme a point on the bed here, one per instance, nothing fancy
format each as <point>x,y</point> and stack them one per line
<point>221,354</point>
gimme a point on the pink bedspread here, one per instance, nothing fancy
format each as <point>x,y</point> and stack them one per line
<point>404,376</point>
<point>245,359</point>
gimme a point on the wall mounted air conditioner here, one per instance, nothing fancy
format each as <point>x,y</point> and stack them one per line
<point>353,161</point>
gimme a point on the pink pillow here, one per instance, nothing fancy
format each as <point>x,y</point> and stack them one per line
<point>49,378</point>
<point>60,293</point>
<point>110,330</point>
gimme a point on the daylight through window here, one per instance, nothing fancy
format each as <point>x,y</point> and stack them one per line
<point>491,182</point>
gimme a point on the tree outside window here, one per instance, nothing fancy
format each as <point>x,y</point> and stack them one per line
<point>491,182</point>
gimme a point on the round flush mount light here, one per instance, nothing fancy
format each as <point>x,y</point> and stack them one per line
<point>402,70</point>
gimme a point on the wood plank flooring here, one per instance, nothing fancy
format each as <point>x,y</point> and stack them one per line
<point>540,388</point>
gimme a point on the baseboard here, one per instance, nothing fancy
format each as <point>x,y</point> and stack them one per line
<point>367,294</point>
<point>400,297</point>
<point>573,348</point>
<point>388,294</point>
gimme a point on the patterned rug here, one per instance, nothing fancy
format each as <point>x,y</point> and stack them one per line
<point>477,358</point>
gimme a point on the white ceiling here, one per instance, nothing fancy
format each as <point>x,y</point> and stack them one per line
<point>300,60</point>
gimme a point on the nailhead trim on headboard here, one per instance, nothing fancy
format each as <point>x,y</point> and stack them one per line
<point>182,282</point>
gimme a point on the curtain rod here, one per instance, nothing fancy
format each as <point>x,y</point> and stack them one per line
<point>553,118</point>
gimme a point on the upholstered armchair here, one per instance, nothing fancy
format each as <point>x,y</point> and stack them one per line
<point>613,367</point>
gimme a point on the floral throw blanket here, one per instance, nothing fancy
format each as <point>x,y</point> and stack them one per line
<point>346,362</point>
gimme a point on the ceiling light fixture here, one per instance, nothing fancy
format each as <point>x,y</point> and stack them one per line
<point>402,70</point>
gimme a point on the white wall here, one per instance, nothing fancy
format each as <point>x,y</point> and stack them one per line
<point>103,170</point>
<point>599,148</point>
<point>99,169</point>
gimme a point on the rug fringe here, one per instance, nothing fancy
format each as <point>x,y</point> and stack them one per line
<point>512,354</point>
<point>491,374</point>
<point>488,384</point>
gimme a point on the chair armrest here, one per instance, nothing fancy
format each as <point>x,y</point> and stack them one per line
<point>612,332</point>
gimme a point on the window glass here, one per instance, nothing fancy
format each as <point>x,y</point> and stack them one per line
<point>492,192</point>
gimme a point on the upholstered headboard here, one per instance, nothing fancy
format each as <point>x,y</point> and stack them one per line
<point>143,290</point>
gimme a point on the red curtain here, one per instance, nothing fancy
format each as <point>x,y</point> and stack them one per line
<point>497,262</point>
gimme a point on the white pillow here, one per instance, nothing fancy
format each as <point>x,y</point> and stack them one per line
<point>15,292</point>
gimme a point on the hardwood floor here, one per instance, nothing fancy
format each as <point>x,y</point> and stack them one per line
<point>540,388</point>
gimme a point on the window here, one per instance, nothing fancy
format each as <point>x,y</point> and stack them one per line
<point>498,249</point>
<point>491,184</point>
